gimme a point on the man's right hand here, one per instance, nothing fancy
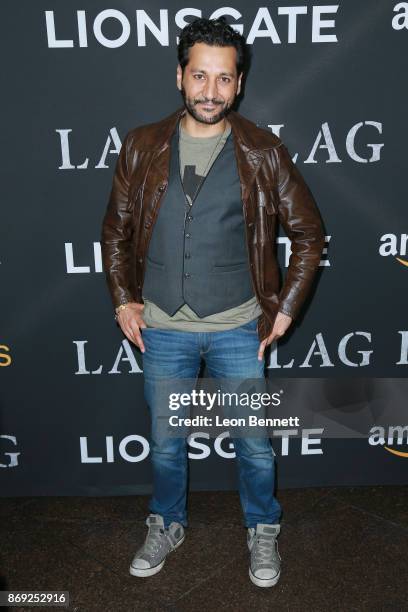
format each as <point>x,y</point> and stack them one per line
<point>131,322</point>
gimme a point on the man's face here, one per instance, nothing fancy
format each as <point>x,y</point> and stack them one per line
<point>210,82</point>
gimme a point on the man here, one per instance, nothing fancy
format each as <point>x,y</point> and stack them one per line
<point>188,249</point>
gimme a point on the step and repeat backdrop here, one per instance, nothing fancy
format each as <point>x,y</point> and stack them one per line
<point>330,81</point>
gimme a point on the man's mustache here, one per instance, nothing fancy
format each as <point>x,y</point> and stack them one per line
<point>207,102</point>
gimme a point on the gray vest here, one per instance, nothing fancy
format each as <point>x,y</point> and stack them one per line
<point>202,260</point>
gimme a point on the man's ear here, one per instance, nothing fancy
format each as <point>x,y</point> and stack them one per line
<point>239,83</point>
<point>179,76</point>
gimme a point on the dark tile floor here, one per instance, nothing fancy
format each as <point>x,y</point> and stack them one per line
<point>342,549</point>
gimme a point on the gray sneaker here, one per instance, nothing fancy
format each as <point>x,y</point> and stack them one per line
<point>264,570</point>
<point>150,557</point>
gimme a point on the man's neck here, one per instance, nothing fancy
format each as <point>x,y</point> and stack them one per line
<point>202,130</point>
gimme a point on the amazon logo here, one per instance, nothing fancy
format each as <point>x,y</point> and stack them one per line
<point>394,439</point>
<point>396,246</point>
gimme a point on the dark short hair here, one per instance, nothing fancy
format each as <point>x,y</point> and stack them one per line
<point>215,32</point>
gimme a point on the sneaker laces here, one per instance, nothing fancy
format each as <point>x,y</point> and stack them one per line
<point>264,550</point>
<point>154,539</point>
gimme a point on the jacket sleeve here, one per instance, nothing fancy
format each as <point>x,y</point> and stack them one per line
<point>116,233</point>
<point>301,220</point>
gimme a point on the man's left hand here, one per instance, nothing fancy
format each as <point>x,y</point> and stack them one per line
<point>280,326</point>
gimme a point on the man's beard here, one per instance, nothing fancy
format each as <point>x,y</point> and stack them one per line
<point>191,103</point>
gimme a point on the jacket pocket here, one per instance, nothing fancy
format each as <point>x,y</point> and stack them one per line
<point>231,267</point>
<point>154,264</point>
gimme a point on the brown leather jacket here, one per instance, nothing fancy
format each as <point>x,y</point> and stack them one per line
<point>271,187</point>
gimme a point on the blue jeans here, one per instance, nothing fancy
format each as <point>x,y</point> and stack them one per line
<point>228,354</point>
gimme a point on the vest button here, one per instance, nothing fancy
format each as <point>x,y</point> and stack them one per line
<point>189,217</point>
<point>162,187</point>
<point>187,274</point>
<point>188,235</point>
<point>187,255</point>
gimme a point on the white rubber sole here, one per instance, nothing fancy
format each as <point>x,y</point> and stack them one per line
<point>264,582</point>
<point>150,571</point>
